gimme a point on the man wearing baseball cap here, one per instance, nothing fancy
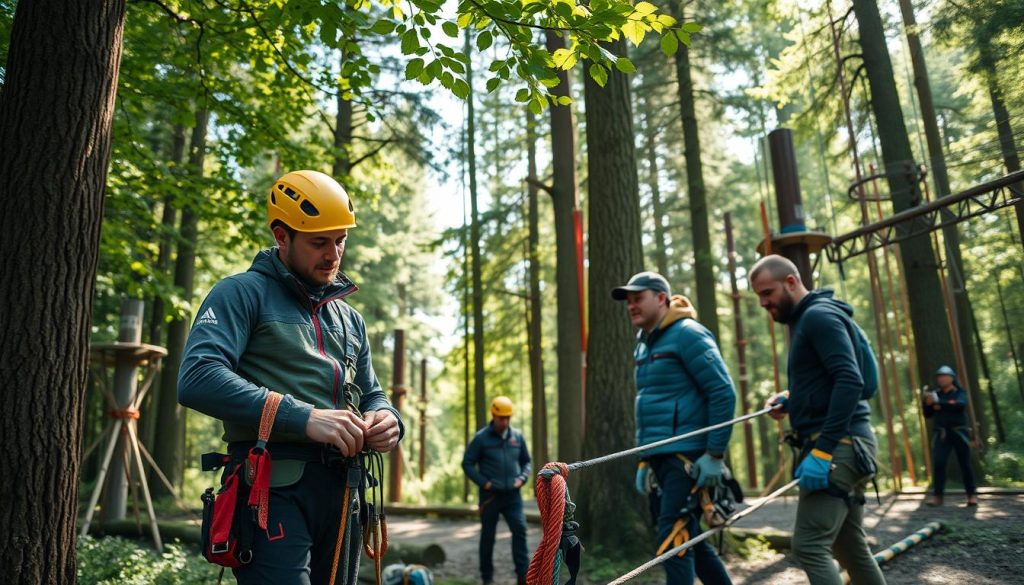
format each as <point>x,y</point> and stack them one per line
<point>682,385</point>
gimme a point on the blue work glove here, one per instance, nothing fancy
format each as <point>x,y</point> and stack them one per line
<point>644,478</point>
<point>708,470</point>
<point>814,469</point>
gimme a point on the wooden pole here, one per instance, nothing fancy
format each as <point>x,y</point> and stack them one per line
<point>889,348</point>
<point>423,417</point>
<point>741,355</point>
<point>398,392</point>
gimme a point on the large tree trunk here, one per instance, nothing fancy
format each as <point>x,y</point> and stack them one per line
<point>703,255</point>
<point>570,322</point>
<point>932,339</point>
<point>608,507</point>
<point>540,409</point>
<point>937,166</point>
<point>479,380</point>
<point>169,451</point>
<point>56,110</point>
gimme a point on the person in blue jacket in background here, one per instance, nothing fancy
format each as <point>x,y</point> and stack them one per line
<point>682,385</point>
<point>948,409</point>
<point>498,462</point>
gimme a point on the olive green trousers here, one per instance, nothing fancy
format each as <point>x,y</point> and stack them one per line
<point>827,525</point>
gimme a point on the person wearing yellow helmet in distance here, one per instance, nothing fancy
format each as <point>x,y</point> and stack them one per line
<point>283,327</point>
<point>498,461</point>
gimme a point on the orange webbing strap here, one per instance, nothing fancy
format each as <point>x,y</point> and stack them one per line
<point>259,462</point>
<point>269,412</point>
<point>342,528</point>
<point>677,537</point>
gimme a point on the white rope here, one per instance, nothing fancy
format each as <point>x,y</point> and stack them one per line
<point>704,535</point>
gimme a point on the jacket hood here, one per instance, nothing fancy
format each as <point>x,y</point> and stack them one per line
<point>679,308</point>
<point>820,296</point>
<point>268,263</point>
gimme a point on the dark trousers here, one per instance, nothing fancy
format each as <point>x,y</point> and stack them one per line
<point>701,559</point>
<point>510,505</point>
<point>302,528</point>
<point>947,440</point>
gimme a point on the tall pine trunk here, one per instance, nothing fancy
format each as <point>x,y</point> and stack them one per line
<point>169,451</point>
<point>56,110</point>
<point>539,407</point>
<point>157,323</point>
<point>1007,143</point>
<point>937,166</point>
<point>703,255</point>
<point>608,507</point>
<point>657,208</point>
<point>927,312</point>
<point>479,380</point>
<point>564,202</point>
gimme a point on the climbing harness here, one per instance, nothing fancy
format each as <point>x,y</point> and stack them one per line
<point>559,542</point>
<point>243,499</point>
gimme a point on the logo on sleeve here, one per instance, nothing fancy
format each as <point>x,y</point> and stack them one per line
<point>208,318</point>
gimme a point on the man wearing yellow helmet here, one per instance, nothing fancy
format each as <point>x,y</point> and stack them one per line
<point>283,327</point>
<point>498,461</point>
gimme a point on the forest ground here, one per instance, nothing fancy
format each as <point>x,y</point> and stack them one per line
<point>979,546</point>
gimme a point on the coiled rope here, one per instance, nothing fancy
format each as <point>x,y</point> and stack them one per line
<point>558,527</point>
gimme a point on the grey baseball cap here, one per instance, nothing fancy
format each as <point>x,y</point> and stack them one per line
<point>642,281</point>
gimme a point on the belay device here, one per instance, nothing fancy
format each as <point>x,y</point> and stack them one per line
<point>231,516</point>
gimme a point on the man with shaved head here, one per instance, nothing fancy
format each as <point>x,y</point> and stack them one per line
<point>830,421</point>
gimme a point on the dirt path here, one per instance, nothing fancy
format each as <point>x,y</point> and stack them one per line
<point>979,546</point>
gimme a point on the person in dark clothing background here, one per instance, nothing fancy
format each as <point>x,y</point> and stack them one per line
<point>947,408</point>
<point>498,461</point>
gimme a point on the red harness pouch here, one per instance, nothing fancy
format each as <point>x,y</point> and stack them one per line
<point>231,516</point>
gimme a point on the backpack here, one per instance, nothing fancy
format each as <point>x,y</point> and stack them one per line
<point>867,361</point>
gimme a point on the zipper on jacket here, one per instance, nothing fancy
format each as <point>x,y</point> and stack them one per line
<point>320,339</point>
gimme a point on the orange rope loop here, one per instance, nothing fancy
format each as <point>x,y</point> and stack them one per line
<point>556,512</point>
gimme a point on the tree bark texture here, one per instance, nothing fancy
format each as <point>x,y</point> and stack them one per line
<point>342,136</point>
<point>56,111</point>
<point>564,201</point>
<point>169,450</point>
<point>932,340</point>
<point>479,379</point>
<point>536,349</point>
<point>608,506</point>
<point>703,255</point>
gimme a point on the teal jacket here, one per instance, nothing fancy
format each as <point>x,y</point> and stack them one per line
<point>682,384</point>
<point>498,459</point>
<point>825,382</point>
<point>264,330</point>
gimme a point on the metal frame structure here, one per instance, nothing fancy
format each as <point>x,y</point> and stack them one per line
<point>951,209</point>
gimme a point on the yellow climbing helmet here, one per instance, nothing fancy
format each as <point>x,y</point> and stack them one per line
<point>310,201</point>
<point>501,406</point>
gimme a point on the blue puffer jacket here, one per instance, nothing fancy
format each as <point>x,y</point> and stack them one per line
<point>682,384</point>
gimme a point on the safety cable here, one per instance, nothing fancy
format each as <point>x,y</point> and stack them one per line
<point>704,535</point>
<point>641,448</point>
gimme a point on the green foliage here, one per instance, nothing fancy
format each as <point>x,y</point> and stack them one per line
<point>113,560</point>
